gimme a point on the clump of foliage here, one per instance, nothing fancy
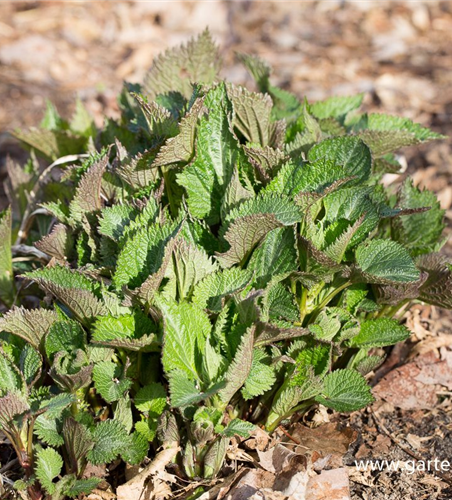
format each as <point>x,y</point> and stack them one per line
<point>220,259</point>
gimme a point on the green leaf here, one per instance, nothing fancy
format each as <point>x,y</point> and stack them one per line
<point>30,364</point>
<point>129,331</point>
<point>239,368</point>
<point>72,288</point>
<point>381,122</point>
<point>261,376</point>
<point>336,106</point>
<point>115,219</point>
<point>386,261</point>
<point>420,232</point>
<point>110,439</point>
<point>275,255</point>
<point>49,430</point>
<point>32,325</point>
<point>109,381</point>
<point>142,254</point>
<point>345,391</point>
<point>190,265</point>
<point>186,328</point>
<point>136,449</point>
<point>177,69</point>
<point>6,265</point>
<point>64,336</point>
<point>11,379</point>
<point>185,392</point>
<point>209,292</point>
<point>151,399</point>
<point>380,332</point>
<point>238,427</point>
<point>48,466</point>
<point>217,151</point>
<point>336,159</point>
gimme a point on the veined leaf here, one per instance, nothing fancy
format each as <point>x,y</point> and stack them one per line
<point>197,61</point>
<point>186,328</point>
<point>240,367</point>
<point>209,292</point>
<point>48,466</point>
<point>72,289</point>
<point>32,325</point>
<point>345,390</point>
<point>110,381</point>
<point>380,332</point>
<point>217,151</point>
<point>110,439</point>
<point>386,261</point>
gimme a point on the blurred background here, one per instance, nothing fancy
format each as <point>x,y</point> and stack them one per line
<point>398,52</point>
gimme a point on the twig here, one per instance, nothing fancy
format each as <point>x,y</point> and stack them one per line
<point>34,192</point>
<point>281,428</point>
<point>29,251</point>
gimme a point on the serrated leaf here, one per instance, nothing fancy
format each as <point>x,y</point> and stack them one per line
<point>209,292</point>
<point>64,336</point>
<point>217,151</point>
<point>32,325</point>
<point>185,392</point>
<point>176,69</point>
<point>186,328</point>
<point>180,149</point>
<point>136,449</point>
<point>151,399</point>
<point>58,244</point>
<point>345,391</point>
<point>11,406</point>
<point>240,367</point>
<point>87,195</point>
<point>252,114</point>
<point>113,220</point>
<point>382,122</point>
<point>11,379</point>
<point>238,427</point>
<point>261,376</point>
<point>130,331</point>
<point>78,442</point>
<point>335,159</point>
<point>49,430</point>
<point>82,487</point>
<point>380,332</point>
<point>110,439</point>
<point>72,288</point>
<point>336,106</point>
<point>30,364</point>
<point>190,265</point>
<point>142,254</point>
<point>48,466</point>
<point>275,255</point>
<point>437,288</point>
<point>109,381</point>
<point>244,234</point>
<point>386,261</point>
<point>420,233</point>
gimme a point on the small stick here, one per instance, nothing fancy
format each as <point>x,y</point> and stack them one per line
<point>281,428</point>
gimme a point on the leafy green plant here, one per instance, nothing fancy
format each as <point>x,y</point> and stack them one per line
<point>221,259</point>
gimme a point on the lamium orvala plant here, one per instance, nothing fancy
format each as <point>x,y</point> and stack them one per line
<point>215,259</point>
